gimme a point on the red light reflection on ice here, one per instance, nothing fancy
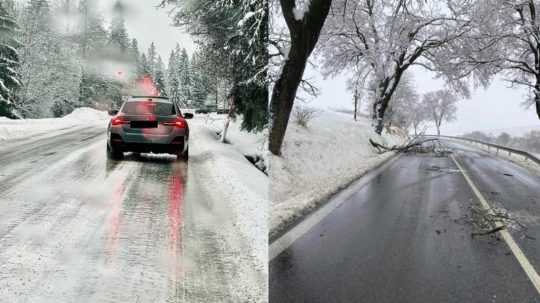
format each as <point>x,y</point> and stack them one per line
<point>115,219</point>
<point>176,199</point>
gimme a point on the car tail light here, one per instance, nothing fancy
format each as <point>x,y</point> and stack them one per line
<point>179,122</point>
<point>119,120</point>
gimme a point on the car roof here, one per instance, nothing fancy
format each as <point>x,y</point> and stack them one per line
<point>149,98</point>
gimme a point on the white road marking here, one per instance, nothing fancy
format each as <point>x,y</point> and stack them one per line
<point>285,241</point>
<point>507,237</point>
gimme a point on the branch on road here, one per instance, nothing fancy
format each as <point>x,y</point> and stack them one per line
<point>403,148</point>
<point>489,232</point>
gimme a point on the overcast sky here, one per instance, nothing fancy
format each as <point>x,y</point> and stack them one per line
<point>494,109</point>
<point>147,23</point>
<point>497,108</point>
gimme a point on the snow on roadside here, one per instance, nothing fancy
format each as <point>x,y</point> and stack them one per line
<point>231,178</point>
<point>517,159</point>
<point>249,144</point>
<point>318,161</point>
<point>24,128</point>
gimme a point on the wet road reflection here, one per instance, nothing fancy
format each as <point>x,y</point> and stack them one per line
<point>81,228</point>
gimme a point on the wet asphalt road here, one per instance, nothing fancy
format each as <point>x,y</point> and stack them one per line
<point>406,237</point>
<point>76,227</point>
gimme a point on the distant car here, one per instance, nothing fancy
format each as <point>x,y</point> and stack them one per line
<point>187,110</point>
<point>202,111</point>
<point>148,124</point>
<point>222,111</point>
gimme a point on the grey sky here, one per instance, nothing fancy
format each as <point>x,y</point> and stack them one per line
<point>147,23</point>
<point>497,108</point>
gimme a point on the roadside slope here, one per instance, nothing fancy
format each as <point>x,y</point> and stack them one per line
<point>11,129</point>
<point>318,161</point>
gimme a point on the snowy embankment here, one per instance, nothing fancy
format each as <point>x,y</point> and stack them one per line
<point>243,188</point>
<point>15,129</point>
<point>319,161</point>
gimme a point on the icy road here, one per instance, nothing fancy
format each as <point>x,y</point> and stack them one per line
<point>76,227</point>
<point>412,233</point>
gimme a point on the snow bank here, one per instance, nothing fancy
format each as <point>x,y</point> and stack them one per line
<point>318,161</point>
<point>80,117</point>
<point>232,179</point>
<point>249,144</point>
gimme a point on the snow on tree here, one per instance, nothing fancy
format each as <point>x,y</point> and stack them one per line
<point>134,54</point>
<point>184,76</point>
<point>304,20</point>
<point>35,98</point>
<point>119,39</point>
<point>93,36</point>
<point>65,49</point>
<point>441,105</point>
<point>381,39</point>
<point>509,43</point>
<point>200,80</point>
<point>144,69</point>
<point>173,84</point>
<point>97,88</point>
<point>9,61</point>
<point>152,59</point>
<point>403,111</point>
<point>159,77</point>
<point>237,31</point>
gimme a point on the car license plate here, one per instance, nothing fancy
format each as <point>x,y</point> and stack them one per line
<point>144,124</point>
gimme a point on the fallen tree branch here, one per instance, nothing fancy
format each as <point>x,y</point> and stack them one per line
<point>489,232</point>
<point>404,148</point>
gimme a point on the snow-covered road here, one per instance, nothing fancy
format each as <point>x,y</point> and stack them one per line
<point>76,227</point>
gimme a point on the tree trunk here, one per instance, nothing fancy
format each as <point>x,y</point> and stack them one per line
<point>230,114</point>
<point>217,94</point>
<point>355,103</point>
<point>380,108</point>
<point>304,36</point>
<point>283,97</point>
<point>537,97</point>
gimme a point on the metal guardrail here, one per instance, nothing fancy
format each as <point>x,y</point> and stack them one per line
<point>497,148</point>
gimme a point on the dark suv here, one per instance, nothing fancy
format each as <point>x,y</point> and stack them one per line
<point>148,124</point>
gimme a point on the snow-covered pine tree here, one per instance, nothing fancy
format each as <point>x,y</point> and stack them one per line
<point>200,81</point>
<point>134,57</point>
<point>34,99</point>
<point>238,31</point>
<point>152,57</point>
<point>172,77</point>
<point>9,61</point>
<point>93,41</point>
<point>144,67</point>
<point>159,77</point>
<point>119,39</point>
<point>184,74</point>
<point>66,67</point>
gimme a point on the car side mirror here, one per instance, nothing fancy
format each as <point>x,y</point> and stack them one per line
<point>188,116</point>
<point>113,112</point>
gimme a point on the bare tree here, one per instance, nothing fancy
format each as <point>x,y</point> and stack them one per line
<point>304,23</point>
<point>380,39</point>
<point>398,112</point>
<point>511,43</point>
<point>441,105</point>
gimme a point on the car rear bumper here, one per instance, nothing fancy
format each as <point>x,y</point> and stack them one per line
<point>178,144</point>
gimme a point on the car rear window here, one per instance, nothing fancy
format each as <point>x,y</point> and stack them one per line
<point>148,108</point>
